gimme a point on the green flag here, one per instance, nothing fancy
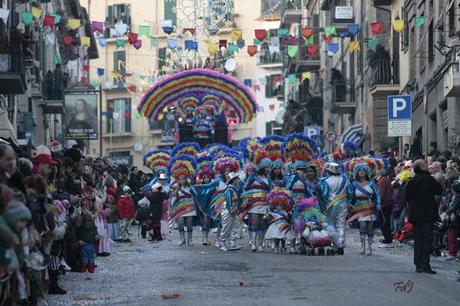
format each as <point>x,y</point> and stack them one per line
<point>309,41</point>
<point>120,43</point>
<point>330,30</point>
<point>257,42</point>
<point>283,32</point>
<point>372,43</point>
<point>27,18</point>
<point>292,79</point>
<point>57,59</point>
<point>293,50</point>
<point>144,30</point>
<point>420,21</point>
<point>232,48</point>
<point>95,83</point>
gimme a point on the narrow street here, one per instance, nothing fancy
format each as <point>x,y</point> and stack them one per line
<point>143,273</point>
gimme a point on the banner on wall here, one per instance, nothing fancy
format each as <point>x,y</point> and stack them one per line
<point>81,115</point>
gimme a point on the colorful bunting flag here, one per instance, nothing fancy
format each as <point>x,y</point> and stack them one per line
<point>256,42</point>
<point>293,50</point>
<point>306,75</point>
<point>248,82</point>
<point>144,30</point>
<point>309,41</point>
<point>330,30</point>
<point>27,18</point>
<point>68,40</point>
<point>4,13</point>
<point>236,35</point>
<point>36,12</point>
<point>102,41</point>
<point>73,23</point>
<point>48,21</point>
<point>153,42</point>
<point>120,85</point>
<point>212,48</point>
<point>260,34</point>
<point>372,43</point>
<point>57,59</point>
<point>120,29</point>
<point>354,46</point>
<point>172,43</point>
<point>191,45</point>
<point>252,50</point>
<point>307,32</point>
<point>191,30</point>
<point>292,78</point>
<point>85,68</point>
<point>85,41</point>
<point>376,28</point>
<point>232,48</point>
<point>57,18</point>
<point>292,40</point>
<point>132,37</point>
<point>419,21</point>
<point>240,43</point>
<point>97,26</point>
<point>222,43</point>
<point>327,38</point>
<point>353,29</point>
<point>398,25</point>
<point>100,71</point>
<point>312,49</point>
<point>120,43</point>
<point>283,32</point>
<point>95,83</point>
<point>137,44</point>
<point>333,47</point>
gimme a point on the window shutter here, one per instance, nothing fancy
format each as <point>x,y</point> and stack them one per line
<point>170,13</point>
<point>268,128</point>
<point>109,18</point>
<point>269,87</point>
<point>161,57</point>
<point>128,15</point>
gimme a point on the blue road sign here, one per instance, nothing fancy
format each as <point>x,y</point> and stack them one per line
<point>399,107</point>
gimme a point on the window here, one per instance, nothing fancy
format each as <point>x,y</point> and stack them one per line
<point>118,12</point>
<point>421,49</point>
<point>171,11</point>
<point>431,42</point>
<point>412,48</point>
<point>273,85</point>
<point>119,65</point>
<point>270,8</point>
<point>220,13</point>
<point>119,116</point>
<point>395,57</point>
<point>451,18</point>
<point>161,58</point>
<point>405,33</point>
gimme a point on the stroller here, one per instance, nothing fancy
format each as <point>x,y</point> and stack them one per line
<point>315,236</point>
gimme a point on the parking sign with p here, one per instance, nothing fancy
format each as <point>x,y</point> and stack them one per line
<point>399,108</point>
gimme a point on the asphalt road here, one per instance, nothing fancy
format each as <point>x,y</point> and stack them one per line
<point>143,273</point>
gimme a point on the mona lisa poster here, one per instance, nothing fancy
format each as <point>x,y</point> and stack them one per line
<point>81,116</point>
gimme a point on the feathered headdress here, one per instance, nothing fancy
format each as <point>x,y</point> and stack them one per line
<point>187,148</point>
<point>221,150</point>
<point>189,103</point>
<point>272,147</point>
<point>182,165</point>
<point>299,147</point>
<point>318,165</point>
<point>157,160</point>
<point>248,147</point>
<point>209,109</point>
<point>345,150</point>
<point>351,164</point>
<point>202,161</point>
<point>362,166</point>
<point>205,170</point>
<point>279,196</point>
<point>212,101</point>
<point>229,161</point>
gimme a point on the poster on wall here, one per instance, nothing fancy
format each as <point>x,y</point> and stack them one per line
<point>81,116</point>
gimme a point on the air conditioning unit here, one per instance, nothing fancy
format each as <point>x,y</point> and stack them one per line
<point>452,80</point>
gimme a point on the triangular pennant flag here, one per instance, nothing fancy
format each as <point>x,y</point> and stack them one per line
<point>132,37</point>
<point>57,59</point>
<point>172,43</point>
<point>306,75</point>
<point>376,28</point>
<point>95,83</point>
<point>100,71</point>
<point>120,85</point>
<point>372,43</point>
<point>212,48</point>
<point>260,34</point>
<point>419,21</point>
<point>57,18</point>
<point>27,18</point>
<point>73,23</point>
<point>191,30</point>
<point>256,42</point>
<point>354,46</point>
<point>68,40</point>
<point>293,50</point>
<point>292,78</point>
<point>116,75</point>
<point>137,115</point>
<point>283,32</point>
<point>144,30</point>
<point>330,30</point>
<point>292,40</point>
<point>333,47</point>
<point>48,21</point>
<point>97,26</point>
<point>85,41</point>
<point>353,29</point>
<point>222,43</point>
<point>248,82</point>
<point>312,50</point>
<point>37,12</point>
<point>85,68</point>
<point>4,13</point>
<point>153,42</point>
<point>102,41</point>
<point>120,43</point>
<point>327,39</point>
<point>398,25</point>
<point>191,45</point>
<point>309,41</point>
<point>252,50</point>
<point>132,88</point>
<point>236,35</point>
<point>307,32</point>
<point>137,44</point>
<point>342,34</point>
<point>240,43</point>
<point>232,48</point>
<point>120,28</point>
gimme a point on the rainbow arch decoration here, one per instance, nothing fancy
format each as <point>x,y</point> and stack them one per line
<point>199,82</point>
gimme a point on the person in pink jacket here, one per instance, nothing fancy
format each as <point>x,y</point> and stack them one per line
<point>104,248</point>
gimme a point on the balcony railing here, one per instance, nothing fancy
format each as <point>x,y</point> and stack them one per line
<point>380,70</point>
<point>266,58</point>
<point>343,96</point>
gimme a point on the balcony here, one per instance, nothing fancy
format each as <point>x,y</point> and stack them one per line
<point>291,12</point>
<point>343,97</point>
<point>302,62</point>
<point>269,60</point>
<point>12,73</point>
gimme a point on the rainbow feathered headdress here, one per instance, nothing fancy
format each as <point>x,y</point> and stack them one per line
<point>272,147</point>
<point>249,147</point>
<point>229,160</point>
<point>182,165</point>
<point>212,101</point>
<point>279,196</point>
<point>221,150</point>
<point>298,147</point>
<point>352,166</point>
<point>189,103</point>
<point>345,150</point>
<point>157,160</point>
<point>187,148</point>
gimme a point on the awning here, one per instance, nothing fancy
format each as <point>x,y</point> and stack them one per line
<point>353,134</point>
<point>7,130</point>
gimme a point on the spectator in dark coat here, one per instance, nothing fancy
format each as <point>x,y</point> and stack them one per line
<point>156,197</point>
<point>421,194</point>
<point>386,195</point>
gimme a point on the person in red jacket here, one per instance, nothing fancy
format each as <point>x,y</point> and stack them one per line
<point>386,195</point>
<point>126,213</point>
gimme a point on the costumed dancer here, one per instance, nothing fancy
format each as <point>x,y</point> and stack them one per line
<point>187,107</point>
<point>365,203</point>
<point>254,200</point>
<point>229,214</point>
<point>181,204</point>
<point>310,226</point>
<point>157,161</point>
<point>203,130</point>
<point>272,147</point>
<point>335,199</point>
<point>279,216</point>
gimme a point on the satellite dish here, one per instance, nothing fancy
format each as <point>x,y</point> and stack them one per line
<point>138,147</point>
<point>230,65</point>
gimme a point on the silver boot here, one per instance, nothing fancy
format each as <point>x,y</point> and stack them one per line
<point>205,238</point>
<point>363,245</point>
<point>232,246</point>
<point>182,239</point>
<point>189,238</point>
<point>260,241</point>
<point>370,240</point>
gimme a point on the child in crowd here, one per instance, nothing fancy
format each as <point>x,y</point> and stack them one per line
<point>87,236</point>
<point>451,217</point>
<point>405,234</point>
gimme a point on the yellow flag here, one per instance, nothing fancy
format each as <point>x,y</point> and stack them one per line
<point>85,41</point>
<point>306,75</point>
<point>212,48</point>
<point>37,12</point>
<point>354,46</point>
<point>116,74</point>
<point>236,35</point>
<point>398,25</point>
<point>73,23</point>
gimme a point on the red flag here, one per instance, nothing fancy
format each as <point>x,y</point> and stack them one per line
<point>132,88</point>
<point>326,38</point>
<point>376,28</point>
<point>127,115</point>
<point>48,21</point>
<point>252,50</point>
<point>84,79</point>
<point>132,38</point>
<point>261,34</point>
<point>68,40</point>
<point>307,32</point>
<point>312,49</point>
<point>85,68</point>
<point>272,107</point>
<point>191,30</point>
